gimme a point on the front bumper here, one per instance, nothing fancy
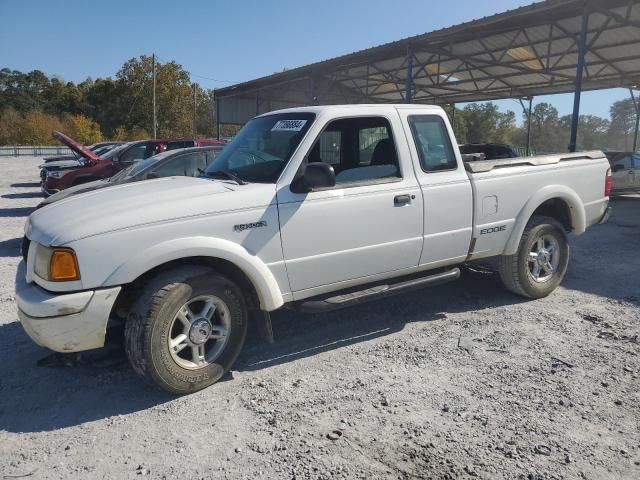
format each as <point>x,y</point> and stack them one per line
<point>70,322</point>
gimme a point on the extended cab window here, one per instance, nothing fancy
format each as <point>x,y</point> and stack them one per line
<point>261,150</point>
<point>432,142</point>
<point>359,150</point>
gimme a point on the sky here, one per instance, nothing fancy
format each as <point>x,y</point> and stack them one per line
<point>224,42</point>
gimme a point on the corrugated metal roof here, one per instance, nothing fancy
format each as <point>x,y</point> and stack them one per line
<point>531,50</point>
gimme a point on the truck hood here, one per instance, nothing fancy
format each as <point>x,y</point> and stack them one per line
<point>75,190</point>
<point>132,204</point>
<point>75,146</point>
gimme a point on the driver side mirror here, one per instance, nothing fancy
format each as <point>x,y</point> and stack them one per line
<point>152,175</point>
<point>314,176</point>
<point>618,167</point>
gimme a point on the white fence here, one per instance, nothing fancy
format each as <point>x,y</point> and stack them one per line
<point>19,151</point>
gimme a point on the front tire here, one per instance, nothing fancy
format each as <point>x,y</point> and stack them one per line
<point>540,263</point>
<point>186,329</point>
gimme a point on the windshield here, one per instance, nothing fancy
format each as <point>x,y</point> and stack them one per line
<point>115,151</point>
<point>263,147</point>
<point>141,165</point>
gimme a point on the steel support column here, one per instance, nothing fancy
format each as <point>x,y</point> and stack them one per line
<point>408,91</point>
<point>636,106</point>
<point>582,43</point>
<point>453,116</point>
<point>217,115</point>
<point>529,111</point>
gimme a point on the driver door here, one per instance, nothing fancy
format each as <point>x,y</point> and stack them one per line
<point>369,225</point>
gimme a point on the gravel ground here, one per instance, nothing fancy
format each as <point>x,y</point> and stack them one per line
<point>458,381</point>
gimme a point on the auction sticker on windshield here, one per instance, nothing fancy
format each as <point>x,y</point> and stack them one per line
<point>288,125</point>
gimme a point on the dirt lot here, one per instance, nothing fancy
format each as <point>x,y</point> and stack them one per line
<point>458,381</point>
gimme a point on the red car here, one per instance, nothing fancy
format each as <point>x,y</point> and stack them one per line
<point>57,176</point>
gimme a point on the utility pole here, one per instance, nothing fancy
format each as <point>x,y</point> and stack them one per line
<point>153,63</point>
<point>195,130</point>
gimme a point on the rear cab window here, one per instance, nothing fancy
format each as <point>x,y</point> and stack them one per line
<point>432,143</point>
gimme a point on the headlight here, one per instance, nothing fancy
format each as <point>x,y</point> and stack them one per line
<point>57,173</point>
<point>56,264</point>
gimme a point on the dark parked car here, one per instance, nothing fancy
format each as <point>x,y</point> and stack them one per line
<point>491,151</point>
<point>61,175</point>
<point>188,162</point>
<point>625,171</point>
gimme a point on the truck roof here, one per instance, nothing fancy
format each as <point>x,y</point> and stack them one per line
<point>357,106</point>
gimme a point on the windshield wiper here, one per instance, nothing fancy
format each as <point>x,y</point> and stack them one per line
<point>227,174</point>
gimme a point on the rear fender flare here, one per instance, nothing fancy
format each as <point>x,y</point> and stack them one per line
<point>257,272</point>
<point>570,197</point>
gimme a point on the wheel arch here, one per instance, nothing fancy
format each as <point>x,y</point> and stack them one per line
<point>230,259</point>
<point>555,201</point>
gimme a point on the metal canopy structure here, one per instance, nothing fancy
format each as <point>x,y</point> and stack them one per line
<point>554,46</point>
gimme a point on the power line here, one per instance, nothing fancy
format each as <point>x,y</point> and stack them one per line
<point>218,80</point>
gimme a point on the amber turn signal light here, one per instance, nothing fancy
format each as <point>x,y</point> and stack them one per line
<point>63,265</point>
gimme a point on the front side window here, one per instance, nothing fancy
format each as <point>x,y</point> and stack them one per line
<point>433,143</point>
<point>261,150</point>
<point>359,150</point>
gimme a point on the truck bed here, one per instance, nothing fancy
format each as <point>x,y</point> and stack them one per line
<point>480,166</point>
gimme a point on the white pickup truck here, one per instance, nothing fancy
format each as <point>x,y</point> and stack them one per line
<point>311,208</point>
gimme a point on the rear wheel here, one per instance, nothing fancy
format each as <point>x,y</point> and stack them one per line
<point>186,329</point>
<point>540,263</point>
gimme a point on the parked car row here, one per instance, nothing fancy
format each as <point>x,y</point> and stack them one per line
<point>188,162</point>
<point>90,165</point>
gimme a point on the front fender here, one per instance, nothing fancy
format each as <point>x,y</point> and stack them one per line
<point>258,273</point>
<point>569,196</point>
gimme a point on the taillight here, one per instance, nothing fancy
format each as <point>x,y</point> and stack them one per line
<point>608,183</point>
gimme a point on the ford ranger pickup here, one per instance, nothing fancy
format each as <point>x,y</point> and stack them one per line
<point>311,208</point>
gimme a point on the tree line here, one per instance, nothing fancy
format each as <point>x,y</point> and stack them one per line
<point>33,104</point>
<point>549,131</point>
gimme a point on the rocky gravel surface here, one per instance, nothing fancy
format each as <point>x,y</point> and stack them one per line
<point>459,381</point>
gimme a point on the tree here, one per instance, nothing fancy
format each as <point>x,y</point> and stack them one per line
<point>10,126</point>
<point>82,129</point>
<point>36,128</point>
<point>546,133</point>
<point>173,96</point>
<point>621,129</point>
<point>483,123</point>
<point>592,131</point>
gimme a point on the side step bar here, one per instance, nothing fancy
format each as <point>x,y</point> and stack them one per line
<point>354,297</point>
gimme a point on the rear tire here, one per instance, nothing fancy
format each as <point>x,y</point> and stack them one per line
<point>540,263</point>
<point>186,329</point>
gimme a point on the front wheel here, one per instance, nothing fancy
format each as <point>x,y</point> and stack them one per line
<point>540,263</point>
<point>186,329</point>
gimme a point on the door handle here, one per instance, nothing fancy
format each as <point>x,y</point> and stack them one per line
<point>400,200</point>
